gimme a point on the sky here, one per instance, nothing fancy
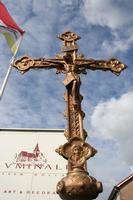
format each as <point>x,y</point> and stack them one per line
<point>35,99</point>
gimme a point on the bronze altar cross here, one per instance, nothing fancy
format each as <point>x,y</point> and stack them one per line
<point>77,185</point>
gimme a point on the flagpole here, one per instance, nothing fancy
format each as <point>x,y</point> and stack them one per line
<point>5,81</point>
<point>2,89</point>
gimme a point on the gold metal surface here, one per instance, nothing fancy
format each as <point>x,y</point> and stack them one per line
<point>77,185</point>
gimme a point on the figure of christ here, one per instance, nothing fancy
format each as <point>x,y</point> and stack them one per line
<point>72,82</point>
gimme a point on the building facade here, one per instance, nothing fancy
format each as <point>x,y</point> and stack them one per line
<point>123,190</point>
<point>29,166</point>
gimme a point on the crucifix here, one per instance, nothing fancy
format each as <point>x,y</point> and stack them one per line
<point>78,184</point>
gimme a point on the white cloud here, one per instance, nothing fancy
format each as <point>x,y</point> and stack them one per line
<point>117,45</point>
<point>106,13</point>
<point>114,120</point>
<point>117,17</point>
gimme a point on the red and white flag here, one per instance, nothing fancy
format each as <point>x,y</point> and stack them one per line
<point>13,34</point>
<point>8,27</point>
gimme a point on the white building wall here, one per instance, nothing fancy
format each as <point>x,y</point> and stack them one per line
<point>32,177</point>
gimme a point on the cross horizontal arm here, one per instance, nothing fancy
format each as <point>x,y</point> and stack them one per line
<point>113,65</point>
<point>25,63</point>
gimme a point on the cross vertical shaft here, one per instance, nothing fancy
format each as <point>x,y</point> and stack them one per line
<point>76,151</point>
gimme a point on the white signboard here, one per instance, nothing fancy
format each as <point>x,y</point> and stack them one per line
<point>29,166</point>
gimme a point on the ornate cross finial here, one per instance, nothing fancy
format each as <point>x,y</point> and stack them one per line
<point>77,184</point>
<point>69,36</point>
<point>69,39</point>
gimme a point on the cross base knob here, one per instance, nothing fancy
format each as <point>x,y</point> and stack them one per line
<point>78,185</point>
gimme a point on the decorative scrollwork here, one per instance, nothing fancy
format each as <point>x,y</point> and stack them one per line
<point>76,151</point>
<point>24,63</point>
